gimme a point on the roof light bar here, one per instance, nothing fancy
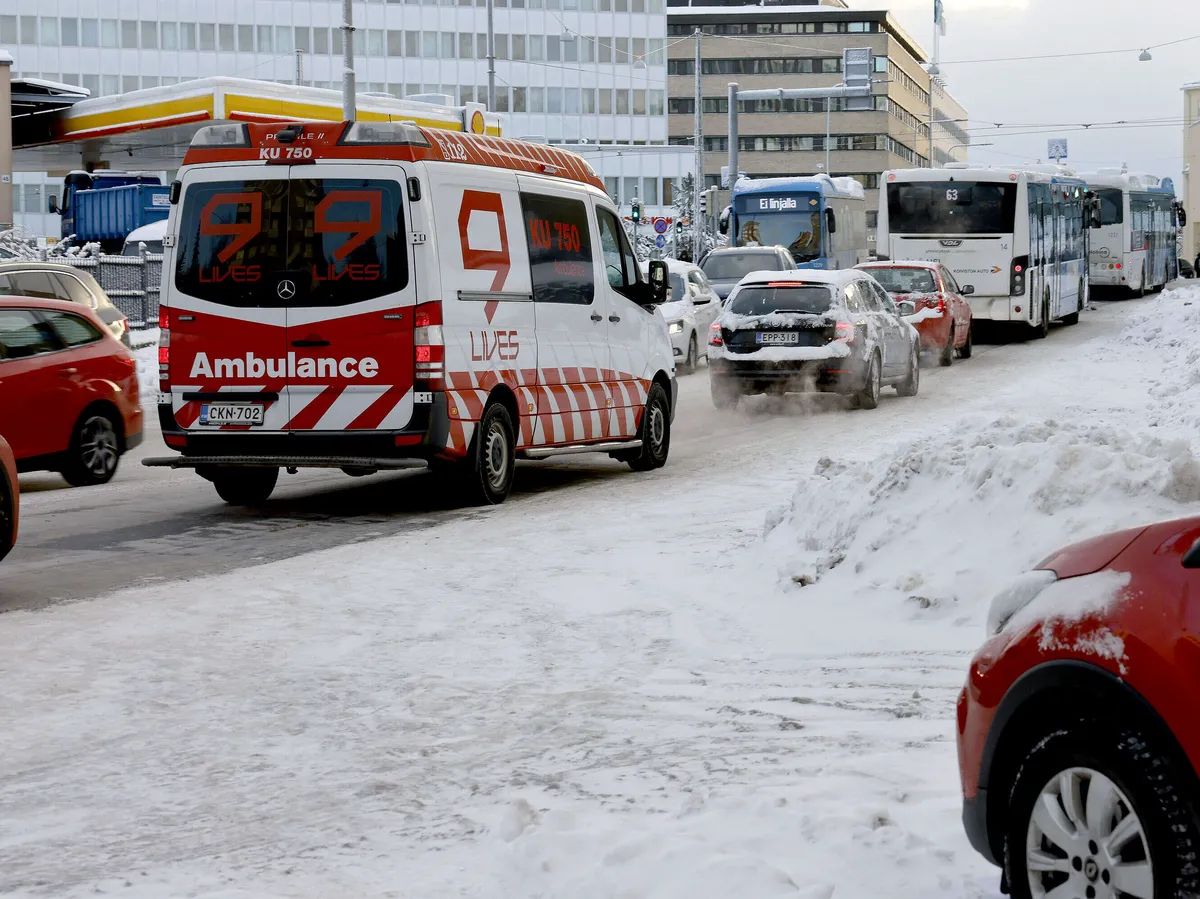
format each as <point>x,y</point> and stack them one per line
<point>235,134</point>
<point>375,133</point>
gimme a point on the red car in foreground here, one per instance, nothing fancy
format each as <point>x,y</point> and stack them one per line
<point>942,317</point>
<point>1078,727</point>
<point>10,499</point>
<point>68,390</point>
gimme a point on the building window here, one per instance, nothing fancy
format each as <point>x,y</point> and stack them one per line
<point>606,101</point>
<point>649,191</point>
<point>187,36</point>
<point>612,187</point>
<point>631,190</point>
<point>245,38</point>
<point>588,101</point>
<point>554,100</point>
<point>110,34</point>
<point>537,99</point>
<point>501,46</point>
<point>518,99</point>
<point>518,46</point>
<point>91,83</point>
<point>553,48</point>
<point>226,37</point>
<point>89,33</point>
<point>603,49</point>
<point>129,34</point>
<point>639,102</point>
<point>70,32</point>
<point>49,31</point>
<point>571,100</point>
<point>110,84</point>
<point>621,51</point>
<point>303,39</point>
<point>29,30</point>
<point>169,32</point>
<point>447,45</point>
<point>8,30</point>
<point>429,44</point>
<point>501,99</point>
<point>208,36</point>
<point>129,83</point>
<point>622,101</point>
<point>655,106</point>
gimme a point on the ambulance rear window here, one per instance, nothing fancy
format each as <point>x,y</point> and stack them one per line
<point>298,242</point>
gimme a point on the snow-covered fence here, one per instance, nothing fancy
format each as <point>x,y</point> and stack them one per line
<point>131,282</point>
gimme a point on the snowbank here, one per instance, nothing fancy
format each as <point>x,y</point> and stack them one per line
<point>146,354</point>
<point>931,528</point>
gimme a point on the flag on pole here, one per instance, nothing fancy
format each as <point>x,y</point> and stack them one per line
<point>939,17</point>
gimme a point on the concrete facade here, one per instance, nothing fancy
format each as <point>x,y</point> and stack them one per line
<point>1191,169</point>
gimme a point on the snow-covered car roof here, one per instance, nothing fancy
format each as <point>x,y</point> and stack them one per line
<point>152,231</point>
<point>900,263</point>
<point>837,278</point>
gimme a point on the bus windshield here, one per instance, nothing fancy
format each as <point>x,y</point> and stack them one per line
<point>1112,207</point>
<point>951,207</point>
<point>793,222</point>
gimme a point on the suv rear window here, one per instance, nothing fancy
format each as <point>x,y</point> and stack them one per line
<point>337,240</point>
<point>812,299</point>
<point>735,266</point>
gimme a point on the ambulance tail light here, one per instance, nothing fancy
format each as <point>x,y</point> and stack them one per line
<point>164,350</point>
<point>214,136</point>
<point>429,345</point>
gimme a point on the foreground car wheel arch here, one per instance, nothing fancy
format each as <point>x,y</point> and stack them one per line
<point>1032,708</point>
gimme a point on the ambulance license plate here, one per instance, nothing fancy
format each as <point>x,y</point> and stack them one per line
<point>778,338</point>
<point>231,414</point>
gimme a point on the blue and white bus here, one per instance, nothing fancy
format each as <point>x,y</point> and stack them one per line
<point>1134,242</point>
<point>822,221</point>
<point>1017,236</point>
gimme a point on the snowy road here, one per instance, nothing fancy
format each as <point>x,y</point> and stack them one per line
<point>612,687</point>
<point>155,524</point>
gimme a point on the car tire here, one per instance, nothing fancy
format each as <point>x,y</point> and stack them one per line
<point>1041,331</point>
<point>654,432</point>
<point>8,508</point>
<point>1141,782</point>
<point>693,354</point>
<point>725,396</point>
<point>95,450</point>
<point>868,395</point>
<point>967,348</point>
<point>492,458</point>
<point>912,382</point>
<point>244,486</point>
<point>946,356</point>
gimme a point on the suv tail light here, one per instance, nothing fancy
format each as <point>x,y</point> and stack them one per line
<point>1016,282</point>
<point>164,350</point>
<point>429,345</point>
<point>844,332</point>
<point>714,335</point>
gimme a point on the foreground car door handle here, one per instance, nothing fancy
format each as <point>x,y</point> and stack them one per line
<point>596,316</point>
<point>309,342</point>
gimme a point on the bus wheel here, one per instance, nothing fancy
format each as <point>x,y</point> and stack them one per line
<point>1141,291</point>
<point>1040,331</point>
<point>1073,318</point>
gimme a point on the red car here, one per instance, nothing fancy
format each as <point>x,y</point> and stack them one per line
<point>68,390</point>
<point>1078,732</point>
<point>10,499</point>
<point>941,315</point>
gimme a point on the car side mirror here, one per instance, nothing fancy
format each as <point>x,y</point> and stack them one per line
<point>1191,559</point>
<point>906,307</point>
<point>53,205</point>
<point>967,289</point>
<point>658,282</point>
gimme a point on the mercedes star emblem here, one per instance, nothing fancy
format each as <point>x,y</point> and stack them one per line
<point>286,290</point>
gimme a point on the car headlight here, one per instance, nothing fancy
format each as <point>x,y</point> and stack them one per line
<point>1015,597</point>
<point>674,327</point>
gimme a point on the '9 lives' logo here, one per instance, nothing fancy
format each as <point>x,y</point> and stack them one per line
<point>478,206</point>
<point>242,233</point>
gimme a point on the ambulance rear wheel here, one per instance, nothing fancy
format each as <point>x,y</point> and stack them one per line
<point>493,458</point>
<point>247,486</point>
<point>655,432</point>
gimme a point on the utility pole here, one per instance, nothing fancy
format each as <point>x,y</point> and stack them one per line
<point>491,55</point>
<point>698,181</point>
<point>348,91</point>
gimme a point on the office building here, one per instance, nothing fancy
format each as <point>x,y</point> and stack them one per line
<point>1191,169</point>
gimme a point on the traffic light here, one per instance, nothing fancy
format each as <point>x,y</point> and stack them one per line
<point>704,202</point>
<point>678,224</point>
<point>635,212</point>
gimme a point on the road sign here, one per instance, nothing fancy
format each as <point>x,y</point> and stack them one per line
<point>660,225</point>
<point>857,66</point>
<point>1056,148</point>
<point>660,241</point>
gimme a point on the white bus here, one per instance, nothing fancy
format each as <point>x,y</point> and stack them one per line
<point>1134,243</point>
<point>1018,236</point>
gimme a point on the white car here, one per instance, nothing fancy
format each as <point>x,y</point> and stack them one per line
<point>692,308</point>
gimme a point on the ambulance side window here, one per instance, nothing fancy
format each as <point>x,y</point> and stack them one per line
<point>560,249</point>
<point>619,262</point>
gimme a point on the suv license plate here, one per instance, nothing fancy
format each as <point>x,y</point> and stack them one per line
<point>778,338</point>
<point>231,414</point>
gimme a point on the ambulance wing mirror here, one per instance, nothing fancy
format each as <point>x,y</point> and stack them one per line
<point>658,282</point>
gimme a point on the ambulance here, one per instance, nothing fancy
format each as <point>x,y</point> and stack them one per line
<point>372,296</point>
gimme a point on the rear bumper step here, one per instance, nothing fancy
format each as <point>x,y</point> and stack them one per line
<point>283,462</point>
<point>543,452</point>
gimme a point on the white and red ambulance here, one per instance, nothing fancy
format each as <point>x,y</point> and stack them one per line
<point>370,296</point>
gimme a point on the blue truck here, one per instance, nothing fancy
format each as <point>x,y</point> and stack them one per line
<point>105,206</point>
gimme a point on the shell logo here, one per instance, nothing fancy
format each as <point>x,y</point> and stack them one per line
<point>478,126</point>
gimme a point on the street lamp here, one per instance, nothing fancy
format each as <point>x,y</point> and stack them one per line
<point>1145,56</point>
<point>960,146</point>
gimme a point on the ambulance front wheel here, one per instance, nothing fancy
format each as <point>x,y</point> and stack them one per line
<point>243,486</point>
<point>655,432</point>
<point>493,457</point>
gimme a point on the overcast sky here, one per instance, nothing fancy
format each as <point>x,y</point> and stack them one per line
<point>1060,92</point>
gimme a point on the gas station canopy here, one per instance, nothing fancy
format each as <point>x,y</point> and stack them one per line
<point>151,129</point>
